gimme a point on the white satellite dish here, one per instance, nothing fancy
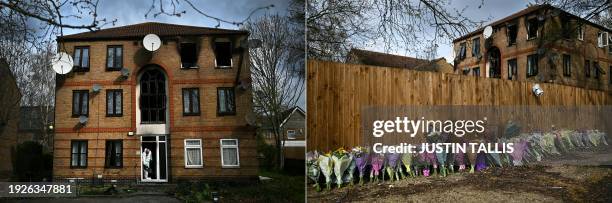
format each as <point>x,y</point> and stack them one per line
<point>151,42</point>
<point>487,32</point>
<point>62,63</point>
<point>96,88</point>
<point>83,120</point>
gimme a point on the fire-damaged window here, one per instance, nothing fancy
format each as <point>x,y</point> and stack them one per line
<point>461,51</point>
<point>587,68</point>
<point>512,69</point>
<point>532,65</point>
<point>581,32</point>
<point>226,104</point>
<point>567,65</point>
<point>114,154</point>
<point>223,54</point>
<point>189,55</point>
<point>596,69</point>
<point>566,27</point>
<point>153,97</point>
<point>81,58</point>
<point>80,101</point>
<point>191,101</point>
<point>511,32</point>
<point>476,46</point>
<point>532,28</point>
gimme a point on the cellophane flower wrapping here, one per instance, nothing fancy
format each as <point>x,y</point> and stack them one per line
<point>312,162</point>
<point>361,161</point>
<point>407,161</point>
<point>377,163</point>
<point>327,165</point>
<point>341,160</point>
<point>392,163</point>
<point>520,147</point>
<point>350,171</point>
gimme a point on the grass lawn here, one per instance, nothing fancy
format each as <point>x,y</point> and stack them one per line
<point>283,187</point>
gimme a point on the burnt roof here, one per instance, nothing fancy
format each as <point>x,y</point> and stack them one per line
<point>384,59</point>
<point>142,29</point>
<point>527,11</point>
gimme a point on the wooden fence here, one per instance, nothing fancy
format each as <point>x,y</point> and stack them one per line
<point>337,93</point>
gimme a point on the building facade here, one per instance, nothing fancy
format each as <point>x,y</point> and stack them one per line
<point>127,113</point>
<point>539,44</point>
<point>9,118</point>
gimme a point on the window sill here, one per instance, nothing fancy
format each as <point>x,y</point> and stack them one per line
<point>78,167</point>
<point>530,39</point>
<point>113,167</point>
<point>226,114</point>
<point>79,115</point>
<point>114,115</point>
<point>223,67</point>
<point>191,67</point>
<point>230,167</point>
<point>113,69</point>
<point>77,69</point>
<point>191,114</point>
<point>194,167</point>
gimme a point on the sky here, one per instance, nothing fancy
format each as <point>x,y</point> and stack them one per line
<point>490,11</point>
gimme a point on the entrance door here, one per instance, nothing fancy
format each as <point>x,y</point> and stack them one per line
<point>154,165</point>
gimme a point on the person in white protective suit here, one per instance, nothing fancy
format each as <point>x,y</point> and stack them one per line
<point>146,163</point>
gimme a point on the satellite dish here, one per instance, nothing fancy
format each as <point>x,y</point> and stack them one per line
<point>151,42</point>
<point>125,72</point>
<point>62,63</point>
<point>250,119</point>
<point>96,88</point>
<point>83,120</point>
<point>487,32</point>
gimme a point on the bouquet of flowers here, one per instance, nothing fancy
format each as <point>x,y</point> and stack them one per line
<point>361,157</point>
<point>341,160</point>
<point>392,164</point>
<point>377,163</point>
<point>327,165</point>
<point>520,146</point>
<point>442,160</point>
<point>597,138</point>
<point>459,159</point>
<point>407,161</point>
<point>350,171</point>
<point>312,162</point>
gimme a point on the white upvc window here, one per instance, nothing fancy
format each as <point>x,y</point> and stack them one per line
<point>602,39</point>
<point>193,153</point>
<point>230,154</point>
<point>291,134</point>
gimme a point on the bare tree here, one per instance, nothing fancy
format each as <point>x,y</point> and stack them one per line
<point>334,26</point>
<point>597,11</point>
<point>275,68</point>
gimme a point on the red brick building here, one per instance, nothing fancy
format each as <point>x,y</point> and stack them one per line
<point>175,113</point>
<point>540,44</point>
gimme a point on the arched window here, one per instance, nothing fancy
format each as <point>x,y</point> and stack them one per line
<point>153,97</point>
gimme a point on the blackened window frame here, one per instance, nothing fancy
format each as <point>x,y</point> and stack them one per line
<point>77,67</point>
<point>232,100</point>
<point>79,104</point>
<point>150,96</point>
<point>596,68</point>
<point>111,154</point>
<point>529,23</point>
<point>191,98</point>
<point>567,65</point>
<point>587,68</point>
<point>115,67</point>
<point>476,71</point>
<point>217,55</point>
<point>79,154</point>
<point>183,50</point>
<point>114,98</point>
<point>512,70</point>
<point>511,36</point>
<point>534,64</point>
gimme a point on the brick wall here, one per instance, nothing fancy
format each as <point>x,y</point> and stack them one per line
<point>207,126</point>
<point>579,50</point>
